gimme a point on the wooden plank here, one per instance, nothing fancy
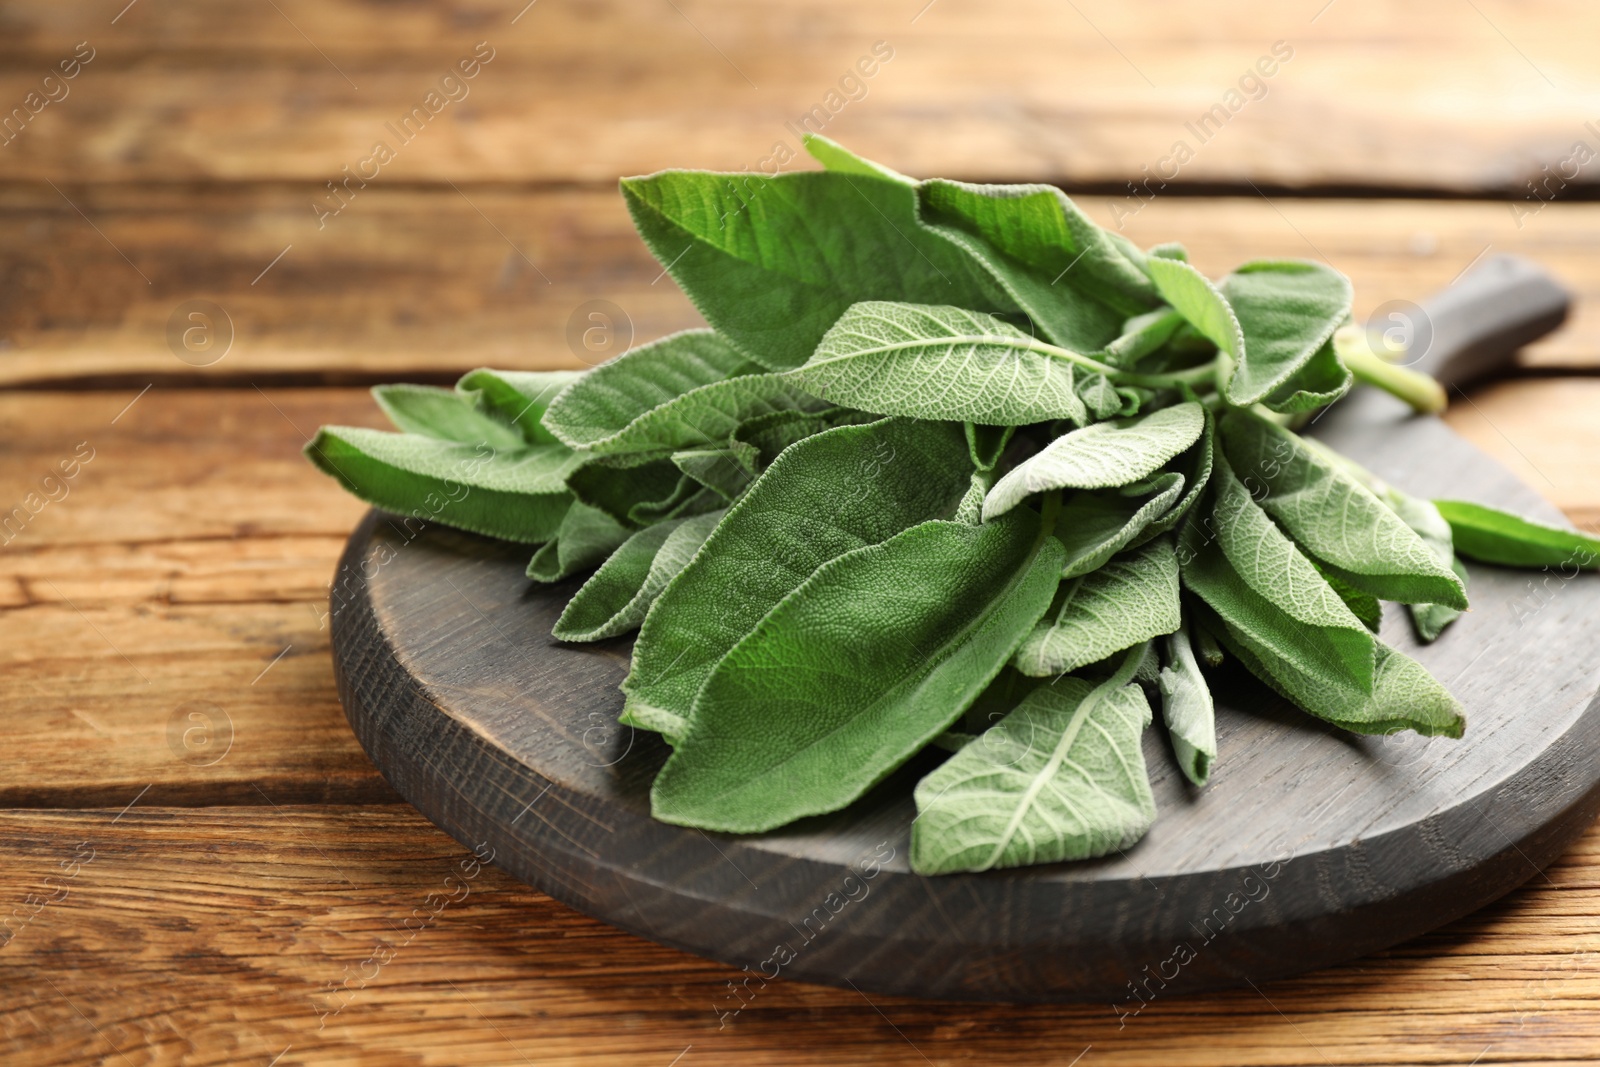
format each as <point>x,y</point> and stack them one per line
<point>180,571</point>
<point>225,934</point>
<point>1544,430</point>
<point>411,282</point>
<point>1434,94</point>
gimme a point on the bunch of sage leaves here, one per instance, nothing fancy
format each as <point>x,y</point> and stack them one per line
<point>952,467</point>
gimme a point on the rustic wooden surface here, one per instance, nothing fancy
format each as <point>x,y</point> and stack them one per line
<point>239,898</point>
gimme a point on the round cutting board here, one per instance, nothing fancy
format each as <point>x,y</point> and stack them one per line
<point>1310,845</point>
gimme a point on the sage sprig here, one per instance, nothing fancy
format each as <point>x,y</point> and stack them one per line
<point>954,472</point>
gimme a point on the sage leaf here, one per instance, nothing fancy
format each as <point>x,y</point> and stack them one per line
<point>1364,606</point>
<point>1202,304</point>
<point>1187,708</point>
<point>1341,651</point>
<point>1403,696</point>
<point>1064,271</point>
<point>1322,380</point>
<point>837,157</point>
<point>1097,524</point>
<point>1060,778</point>
<point>1099,396</point>
<point>1430,620</point>
<point>1141,335</point>
<point>727,471</point>
<point>444,415</point>
<point>986,444</point>
<point>686,390</point>
<point>1490,535</point>
<point>1100,456</point>
<point>875,655</point>
<point>1335,518</point>
<point>519,398</point>
<point>616,598</point>
<point>1273,566</point>
<point>1127,602</point>
<point>587,536</point>
<point>932,362</point>
<point>970,510</point>
<point>517,494</point>
<point>1287,311</point>
<point>634,489</point>
<point>1424,518</point>
<point>773,262</point>
<point>832,493</point>
<point>1298,661</point>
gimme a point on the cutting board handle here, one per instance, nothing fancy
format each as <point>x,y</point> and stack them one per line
<point>1474,326</point>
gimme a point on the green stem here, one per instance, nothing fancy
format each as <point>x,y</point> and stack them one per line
<point>1421,391</point>
<point>1203,374</point>
<point>1050,508</point>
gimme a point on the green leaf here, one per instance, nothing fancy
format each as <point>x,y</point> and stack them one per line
<point>444,415</point>
<point>855,672</point>
<point>1322,380</point>
<point>970,510</point>
<point>1128,601</point>
<point>1099,396</point>
<point>635,488</point>
<point>1490,535</point>
<point>1335,518</point>
<point>1187,709</point>
<point>773,262</point>
<point>1364,606</point>
<point>1060,778</point>
<point>1431,619</point>
<point>1424,518</point>
<point>686,390</point>
<point>1403,696</point>
<point>518,398</point>
<point>1060,268</point>
<point>728,471</point>
<point>1097,524</point>
<point>617,597</point>
<point>1209,573</point>
<point>1298,661</point>
<point>1101,456</point>
<point>986,444</point>
<point>1141,335</point>
<point>1287,311</point>
<point>832,493</point>
<point>939,363</point>
<point>1273,567</point>
<point>517,494</point>
<point>587,536</point>
<point>836,157</point>
<point>1200,303</point>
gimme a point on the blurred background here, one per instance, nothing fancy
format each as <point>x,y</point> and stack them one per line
<point>199,143</point>
<point>221,221</point>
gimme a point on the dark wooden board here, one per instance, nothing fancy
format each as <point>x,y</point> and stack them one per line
<point>1310,845</point>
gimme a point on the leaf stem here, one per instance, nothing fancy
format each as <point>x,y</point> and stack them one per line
<point>1422,392</point>
<point>1204,373</point>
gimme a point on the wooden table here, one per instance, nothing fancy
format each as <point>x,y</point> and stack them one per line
<point>201,866</point>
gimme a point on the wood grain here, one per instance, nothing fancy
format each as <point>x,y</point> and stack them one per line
<point>219,935</point>
<point>412,282</point>
<point>1428,95</point>
<point>182,570</point>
